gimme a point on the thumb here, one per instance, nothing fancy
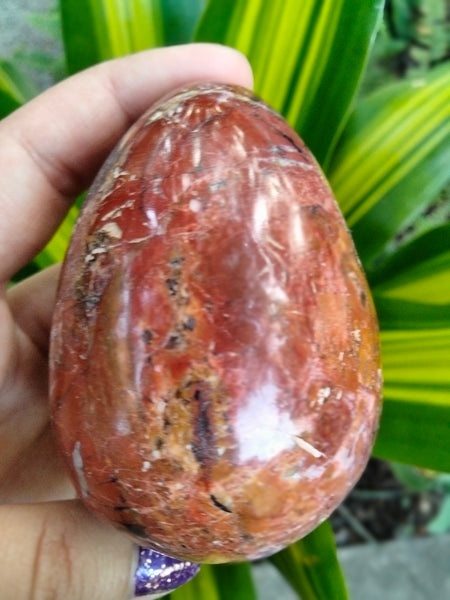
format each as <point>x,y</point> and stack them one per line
<point>57,550</point>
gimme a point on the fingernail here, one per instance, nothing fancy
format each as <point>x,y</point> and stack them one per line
<point>157,574</point>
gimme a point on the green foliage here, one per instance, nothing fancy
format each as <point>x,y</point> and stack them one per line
<point>311,566</point>
<point>319,47</point>
<point>235,581</point>
<point>386,150</point>
<point>422,28</point>
<point>395,144</point>
<point>219,582</point>
<point>15,89</point>
<point>180,19</point>
<point>414,37</point>
<point>95,30</point>
<point>415,422</point>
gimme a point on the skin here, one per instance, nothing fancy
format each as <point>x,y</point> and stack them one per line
<point>49,152</point>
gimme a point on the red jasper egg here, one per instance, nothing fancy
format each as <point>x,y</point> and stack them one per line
<point>215,375</point>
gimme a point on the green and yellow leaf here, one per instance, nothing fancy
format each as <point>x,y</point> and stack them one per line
<point>97,30</point>
<point>393,159</point>
<point>311,566</point>
<point>415,425</point>
<point>308,57</point>
<point>15,88</point>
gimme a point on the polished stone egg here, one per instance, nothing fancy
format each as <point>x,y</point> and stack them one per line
<point>215,372</point>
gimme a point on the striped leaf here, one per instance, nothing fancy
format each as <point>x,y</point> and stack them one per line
<point>307,57</point>
<point>96,30</point>
<point>415,424</point>
<point>180,19</point>
<point>235,581</point>
<point>218,582</point>
<point>396,313</point>
<point>412,294</point>
<point>409,262</point>
<point>418,271</point>
<point>393,159</point>
<point>202,587</point>
<point>311,566</point>
<point>15,88</point>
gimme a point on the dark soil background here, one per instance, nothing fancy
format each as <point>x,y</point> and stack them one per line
<point>381,508</point>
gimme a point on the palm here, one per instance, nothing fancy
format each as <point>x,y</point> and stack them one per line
<point>30,467</point>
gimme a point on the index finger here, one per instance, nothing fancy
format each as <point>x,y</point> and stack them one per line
<point>51,148</point>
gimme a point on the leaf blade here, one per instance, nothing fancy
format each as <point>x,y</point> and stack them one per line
<point>416,275</point>
<point>393,160</point>
<point>15,88</point>
<point>304,41</point>
<point>407,262</point>
<point>311,566</point>
<point>401,439</point>
<point>180,19</point>
<point>102,29</point>
<point>400,314</point>
<point>415,423</point>
<point>235,581</point>
<point>202,587</point>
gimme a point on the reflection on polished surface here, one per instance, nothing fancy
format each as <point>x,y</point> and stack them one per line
<point>262,430</point>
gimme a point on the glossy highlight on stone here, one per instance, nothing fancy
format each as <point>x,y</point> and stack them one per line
<point>215,375</point>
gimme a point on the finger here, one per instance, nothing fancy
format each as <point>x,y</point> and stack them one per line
<point>23,392</point>
<point>31,469</point>
<point>57,550</point>
<point>36,472</point>
<point>51,148</point>
<point>31,303</point>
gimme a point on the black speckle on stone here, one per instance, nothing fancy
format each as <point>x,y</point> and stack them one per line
<point>189,324</point>
<point>219,504</point>
<point>147,336</point>
<point>176,261</point>
<point>292,142</point>
<point>135,529</point>
<point>91,302</point>
<point>173,341</point>
<point>203,440</point>
<point>172,285</point>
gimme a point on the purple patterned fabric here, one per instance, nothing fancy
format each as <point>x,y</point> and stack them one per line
<point>157,573</point>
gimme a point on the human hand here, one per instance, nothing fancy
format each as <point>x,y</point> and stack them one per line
<point>49,152</point>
